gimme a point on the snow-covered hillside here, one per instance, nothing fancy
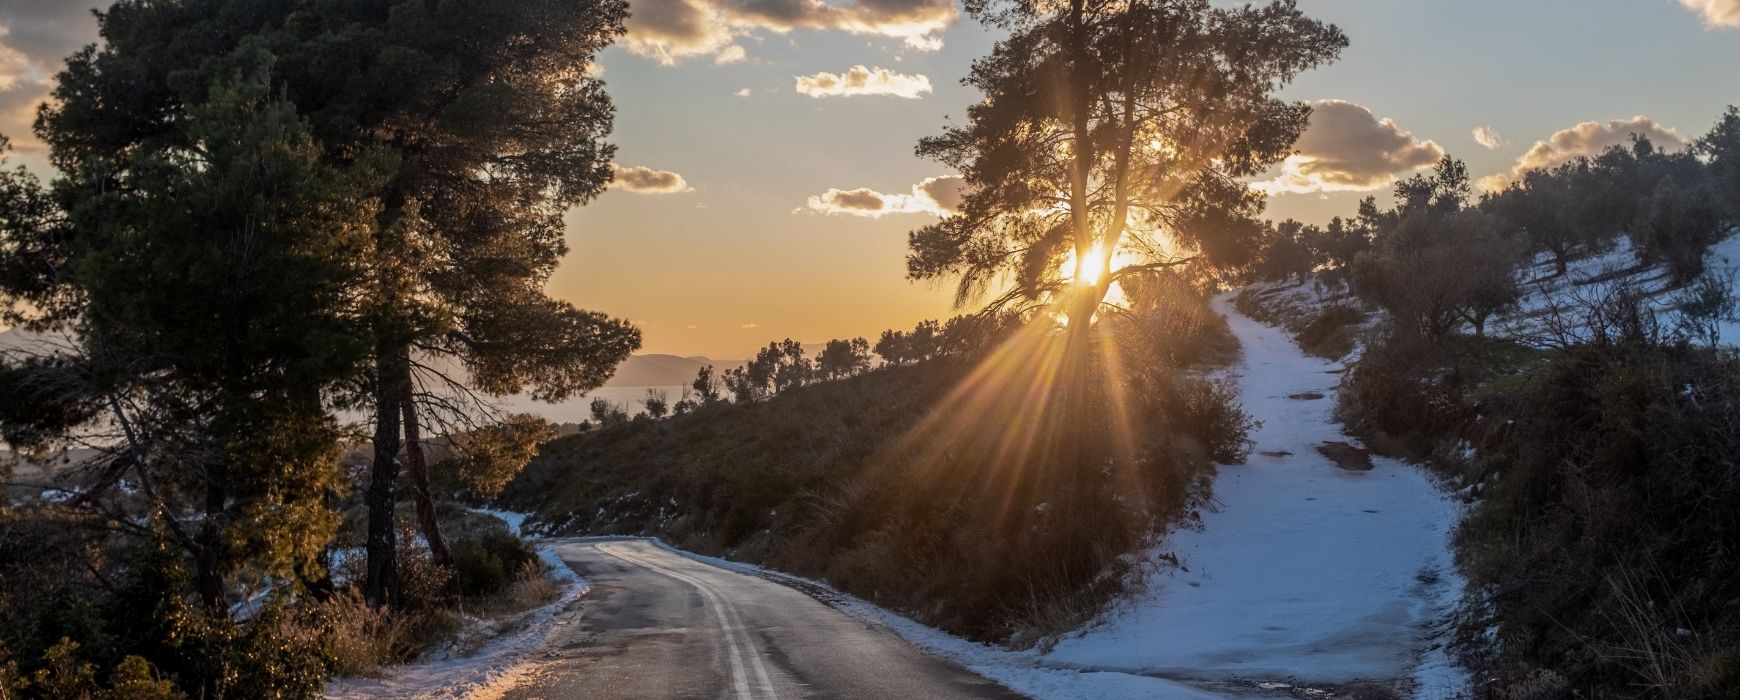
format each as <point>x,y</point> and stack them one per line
<point>1306,572</point>
<point>1547,293</point>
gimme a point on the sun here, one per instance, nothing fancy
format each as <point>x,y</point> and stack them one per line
<point>1093,269</point>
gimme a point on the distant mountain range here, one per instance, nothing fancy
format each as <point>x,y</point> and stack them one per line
<point>637,371</point>
<point>663,370</point>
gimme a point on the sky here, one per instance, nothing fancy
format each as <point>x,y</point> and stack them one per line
<point>766,178</point>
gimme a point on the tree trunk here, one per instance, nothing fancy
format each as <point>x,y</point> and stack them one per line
<point>209,557</point>
<point>419,471</point>
<point>382,586</point>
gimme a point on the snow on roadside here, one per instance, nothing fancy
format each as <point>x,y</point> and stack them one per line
<point>1025,672</point>
<point>516,522</point>
<point>502,663</point>
<point>1306,572</point>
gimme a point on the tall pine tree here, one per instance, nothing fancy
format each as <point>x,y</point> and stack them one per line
<point>1115,131</point>
<point>486,127</point>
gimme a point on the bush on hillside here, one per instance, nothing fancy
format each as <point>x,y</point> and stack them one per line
<point>1604,548</point>
<point>488,564</point>
<point>1409,393</point>
<point>1333,333</point>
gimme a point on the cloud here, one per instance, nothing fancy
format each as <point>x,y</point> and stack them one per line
<point>1585,139</point>
<point>744,92</point>
<point>1716,13</point>
<point>747,326</point>
<point>938,196</point>
<point>36,36</point>
<point>945,192</point>
<point>859,80</point>
<point>729,54</point>
<point>1488,138</point>
<point>669,31</point>
<point>640,179</point>
<point>1346,148</point>
<point>14,66</point>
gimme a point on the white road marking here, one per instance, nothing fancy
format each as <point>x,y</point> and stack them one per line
<point>737,637</point>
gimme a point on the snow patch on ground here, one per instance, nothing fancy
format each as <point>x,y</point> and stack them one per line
<point>1304,572</point>
<point>516,522</point>
<point>500,665</point>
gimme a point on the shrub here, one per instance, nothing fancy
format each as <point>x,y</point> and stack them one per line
<point>1409,394</point>
<point>489,564</point>
<point>358,638</point>
<point>1331,334</point>
<point>1603,546</point>
<point>423,584</point>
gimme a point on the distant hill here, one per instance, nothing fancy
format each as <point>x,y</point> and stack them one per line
<point>638,370</point>
<point>662,370</point>
<point>15,339</point>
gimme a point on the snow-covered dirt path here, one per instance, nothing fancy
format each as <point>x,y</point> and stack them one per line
<point>1304,572</point>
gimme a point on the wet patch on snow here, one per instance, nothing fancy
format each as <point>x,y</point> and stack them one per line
<point>1346,455</point>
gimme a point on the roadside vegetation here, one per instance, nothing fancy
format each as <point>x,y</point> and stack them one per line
<point>922,485</point>
<point>1597,445</point>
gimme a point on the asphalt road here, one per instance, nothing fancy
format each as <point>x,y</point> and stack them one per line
<point>659,625</point>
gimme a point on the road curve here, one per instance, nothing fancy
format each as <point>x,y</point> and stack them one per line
<point>660,625</point>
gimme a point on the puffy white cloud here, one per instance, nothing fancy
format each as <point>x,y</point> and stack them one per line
<point>744,92</point>
<point>938,196</point>
<point>860,80</point>
<point>1488,138</point>
<point>640,179</point>
<point>1716,13</point>
<point>1585,139</point>
<point>729,54</point>
<point>1346,148</point>
<point>671,30</point>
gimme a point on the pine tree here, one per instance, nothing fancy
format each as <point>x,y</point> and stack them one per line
<point>1107,126</point>
<point>487,128</point>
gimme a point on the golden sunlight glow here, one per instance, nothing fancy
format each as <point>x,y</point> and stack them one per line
<point>1008,428</point>
<point>1090,269</point>
<point>1095,267</point>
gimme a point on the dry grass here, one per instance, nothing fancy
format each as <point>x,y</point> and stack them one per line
<point>360,638</point>
<point>535,585</point>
